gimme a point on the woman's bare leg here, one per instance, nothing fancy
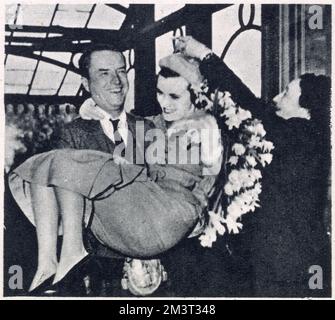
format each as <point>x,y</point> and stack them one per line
<point>71,208</point>
<point>46,215</point>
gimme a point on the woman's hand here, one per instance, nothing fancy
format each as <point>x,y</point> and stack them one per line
<point>191,47</point>
<point>202,129</point>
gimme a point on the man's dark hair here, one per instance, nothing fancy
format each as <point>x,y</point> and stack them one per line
<point>85,59</point>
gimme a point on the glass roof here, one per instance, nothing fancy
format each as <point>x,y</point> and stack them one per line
<point>162,10</point>
<point>51,73</point>
<point>34,77</point>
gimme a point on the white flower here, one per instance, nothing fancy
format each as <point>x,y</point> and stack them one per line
<point>243,200</point>
<point>233,160</point>
<point>216,219</point>
<point>250,129</point>
<point>219,97</point>
<point>209,103</point>
<point>251,160</point>
<point>229,112</point>
<point>248,200</point>
<point>243,186</point>
<point>255,142</point>
<point>267,146</point>
<point>227,100</point>
<point>255,174</point>
<point>244,175</point>
<point>238,148</point>
<point>196,87</point>
<point>206,240</point>
<point>234,210</point>
<point>249,183</point>
<point>259,129</point>
<point>208,236</point>
<point>234,177</point>
<point>258,188</point>
<point>228,188</point>
<point>232,225</point>
<point>265,158</point>
<point>243,114</point>
<point>233,121</point>
<point>214,226</point>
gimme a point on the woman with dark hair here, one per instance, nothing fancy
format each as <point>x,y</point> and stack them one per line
<point>288,234</point>
<point>139,210</point>
<point>294,220</point>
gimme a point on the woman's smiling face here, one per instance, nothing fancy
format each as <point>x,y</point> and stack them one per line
<point>174,98</point>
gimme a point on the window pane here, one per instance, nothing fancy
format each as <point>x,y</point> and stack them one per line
<point>37,15</point>
<point>163,10</point>
<point>48,78</point>
<point>60,56</point>
<point>18,77</point>
<point>71,16</point>
<point>105,17</point>
<point>71,84</point>
<point>16,89</point>
<point>244,54</point>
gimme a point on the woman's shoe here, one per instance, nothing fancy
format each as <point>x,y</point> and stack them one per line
<point>42,288</point>
<point>73,283</point>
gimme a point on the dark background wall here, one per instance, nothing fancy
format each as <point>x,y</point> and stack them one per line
<point>296,40</point>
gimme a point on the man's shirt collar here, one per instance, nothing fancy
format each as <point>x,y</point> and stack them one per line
<point>108,127</point>
<point>122,117</point>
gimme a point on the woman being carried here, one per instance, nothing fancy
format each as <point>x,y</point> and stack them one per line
<point>142,211</point>
<point>138,211</point>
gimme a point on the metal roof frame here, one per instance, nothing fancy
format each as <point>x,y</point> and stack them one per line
<point>75,40</point>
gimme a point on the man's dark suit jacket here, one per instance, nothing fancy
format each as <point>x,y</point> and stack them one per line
<point>88,134</point>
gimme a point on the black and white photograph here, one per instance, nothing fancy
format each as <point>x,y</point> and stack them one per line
<point>167,149</point>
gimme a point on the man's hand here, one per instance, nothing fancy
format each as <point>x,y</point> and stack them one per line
<point>191,47</point>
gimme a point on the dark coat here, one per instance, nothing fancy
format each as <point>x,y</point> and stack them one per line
<point>88,134</point>
<point>290,230</point>
<point>288,233</point>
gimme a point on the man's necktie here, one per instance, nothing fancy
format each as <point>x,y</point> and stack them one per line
<point>117,137</point>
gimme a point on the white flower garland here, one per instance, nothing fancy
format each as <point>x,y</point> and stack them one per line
<point>250,151</point>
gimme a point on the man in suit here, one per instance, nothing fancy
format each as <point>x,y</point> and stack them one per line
<point>104,76</point>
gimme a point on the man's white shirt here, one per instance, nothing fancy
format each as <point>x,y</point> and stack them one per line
<point>106,124</point>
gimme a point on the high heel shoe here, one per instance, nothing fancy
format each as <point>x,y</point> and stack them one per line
<point>73,282</point>
<point>42,288</point>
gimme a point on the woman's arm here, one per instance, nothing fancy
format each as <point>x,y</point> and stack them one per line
<point>220,76</point>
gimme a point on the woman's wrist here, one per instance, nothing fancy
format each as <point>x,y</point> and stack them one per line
<point>205,54</point>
